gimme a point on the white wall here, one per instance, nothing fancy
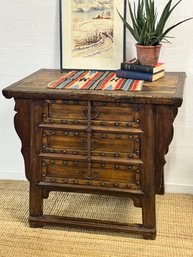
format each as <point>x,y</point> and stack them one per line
<point>29,40</point>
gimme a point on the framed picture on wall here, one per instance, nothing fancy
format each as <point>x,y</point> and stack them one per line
<point>92,35</point>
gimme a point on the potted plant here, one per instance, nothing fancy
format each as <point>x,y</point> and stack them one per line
<point>148,30</point>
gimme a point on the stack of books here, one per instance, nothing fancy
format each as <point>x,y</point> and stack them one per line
<point>133,70</point>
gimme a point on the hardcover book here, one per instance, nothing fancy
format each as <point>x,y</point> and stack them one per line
<point>139,75</point>
<point>142,68</point>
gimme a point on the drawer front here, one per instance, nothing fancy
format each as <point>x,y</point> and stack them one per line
<point>76,142</point>
<point>115,114</point>
<point>91,144</point>
<point>65,112</point>
<point>65,142</point>
<point>102,114</point>
<point>64,169</point>
<point>102,175</point>
<point>116,145</point>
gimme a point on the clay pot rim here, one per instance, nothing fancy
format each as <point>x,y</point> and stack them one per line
<point>142,46</point>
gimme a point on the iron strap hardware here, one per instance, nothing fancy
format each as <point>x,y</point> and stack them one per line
<point>89,174</point>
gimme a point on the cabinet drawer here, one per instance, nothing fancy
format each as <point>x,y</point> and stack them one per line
<point>65,112</point>
<point>116,145</point>
<point>76,172</point>
<point>76,142</point>
<point>101,113</point>
<point>66,142</point>
<point>115,114</point>
<point>63,168</point>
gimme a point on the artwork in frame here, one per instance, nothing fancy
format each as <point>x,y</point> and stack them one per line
<point>92,35</point>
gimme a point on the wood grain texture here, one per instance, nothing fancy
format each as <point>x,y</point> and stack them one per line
<point>167,90</point>
<point>36,193</point>
<point>164,118</point>
<point>22,127</point>
<point>148,170</point>
<point>91,224</point>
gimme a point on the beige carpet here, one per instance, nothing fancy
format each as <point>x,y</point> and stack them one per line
<point>174,226</point>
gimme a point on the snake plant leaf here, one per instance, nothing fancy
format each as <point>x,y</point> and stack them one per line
<point>163,18</point>
<point>137,17</point>
<point>145,26</point>
<point>135,27</point>
<point>175,6</point>
<point>134,15</point>
<point>164,40</point>
<point>140,15</point>
<point>132,31</point>
<point>172,27</point>
<point>169,37</point>
<point>154,40</point>
<point>143,31</point>
<point>147,9</point>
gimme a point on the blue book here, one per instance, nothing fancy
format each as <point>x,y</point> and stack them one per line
<point>139,75</point>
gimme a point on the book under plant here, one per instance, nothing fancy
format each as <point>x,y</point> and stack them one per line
<point>139,75</point>
<point>142,68</point>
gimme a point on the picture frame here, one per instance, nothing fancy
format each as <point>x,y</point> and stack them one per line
<point>92,35</point>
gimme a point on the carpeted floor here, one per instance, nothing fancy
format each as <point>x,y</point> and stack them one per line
<point>174,226</point>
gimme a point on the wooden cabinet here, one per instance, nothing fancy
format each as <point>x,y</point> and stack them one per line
<point>95,142</point>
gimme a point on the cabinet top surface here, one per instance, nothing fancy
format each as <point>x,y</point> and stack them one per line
<point>167,90</point>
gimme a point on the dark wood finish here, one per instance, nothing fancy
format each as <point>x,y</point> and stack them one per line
<point>22,108</point>
<point>91,224</point>
<point>148,174</point>
<point>96,142</point>
<point>162,141</point>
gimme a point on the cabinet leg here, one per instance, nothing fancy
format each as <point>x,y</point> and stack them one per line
<point>149,236</point>
<point>35,225</point>
<point>35,204</point>
<point>149,216</point>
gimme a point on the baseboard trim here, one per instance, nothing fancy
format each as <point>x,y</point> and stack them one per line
<point>14,175</point>
<point>179,188</point>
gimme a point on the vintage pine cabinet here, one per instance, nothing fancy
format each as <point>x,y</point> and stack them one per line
<point>95,142</point>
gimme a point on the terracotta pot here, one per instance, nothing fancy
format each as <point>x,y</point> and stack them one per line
<point>148,55</point>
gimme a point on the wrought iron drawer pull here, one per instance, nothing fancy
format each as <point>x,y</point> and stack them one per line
<point>90,175</point>
<point>94,113</point>
<point>94,145</point>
